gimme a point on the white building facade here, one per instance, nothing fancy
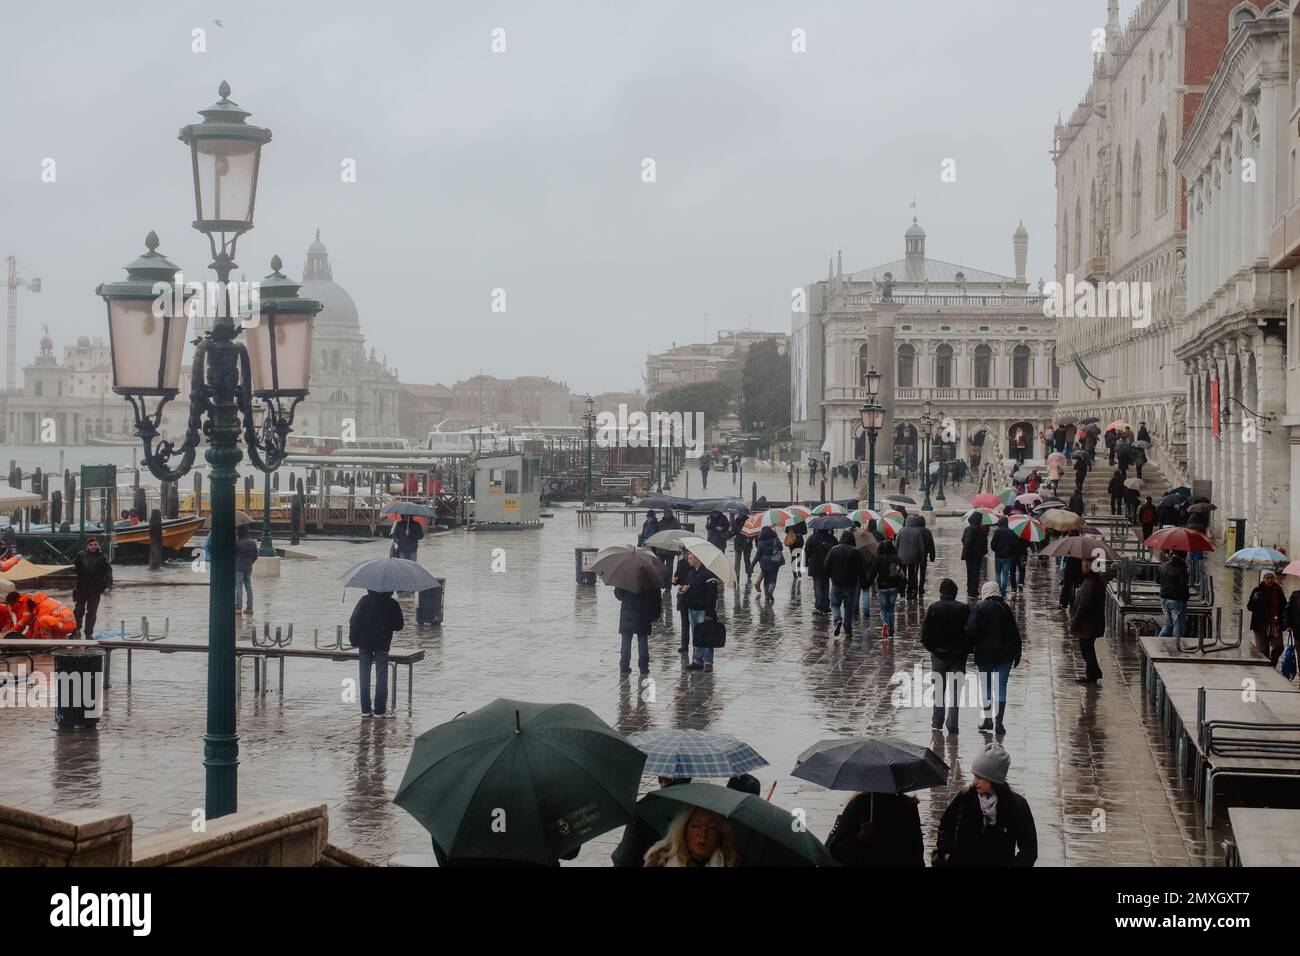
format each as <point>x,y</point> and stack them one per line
<point>1234,160</point>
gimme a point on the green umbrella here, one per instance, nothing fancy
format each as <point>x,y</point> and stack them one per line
<point>764,834</point>
<point>520,781</point>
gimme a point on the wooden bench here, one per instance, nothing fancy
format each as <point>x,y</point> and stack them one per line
<point>397,657</point>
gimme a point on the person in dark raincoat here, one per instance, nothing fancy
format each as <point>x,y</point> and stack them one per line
<point>743,545</point>
<point>370,629</point>
<point>878,829</point>
<point>636,615</point>
<point>649,527</point>
<point>815,551</point>
<point>1147,518</point>
<point>988,823</point>
<point>915,550</point>
<point>1088,619</point>
<point>943,634</point>
<point>993,628</point>
<point>1115,488</point>
<point>769,555</point>
<point>717,529</point>
<point>974,548</point>
<point>406,534</point>
<point>1267,607</point>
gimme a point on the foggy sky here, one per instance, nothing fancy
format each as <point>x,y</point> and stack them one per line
<point>522,170</point>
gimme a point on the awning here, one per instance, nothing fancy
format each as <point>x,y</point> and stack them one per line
<point>11,498</point>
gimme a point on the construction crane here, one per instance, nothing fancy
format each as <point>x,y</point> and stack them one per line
<point>15,283</point>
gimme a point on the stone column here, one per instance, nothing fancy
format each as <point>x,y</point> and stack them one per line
<point>1218,474</point>
<point>1273,500</point>
<point>1232,433</point>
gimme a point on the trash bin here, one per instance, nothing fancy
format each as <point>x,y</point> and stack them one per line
<point>78,688</point>
<point>428,608</point>
<point>582,561</point>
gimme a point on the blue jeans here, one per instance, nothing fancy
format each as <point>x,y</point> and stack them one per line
<point>866,600</point>
<point>380,661</point>
<point>244,579</point>
<point>887,598</point>
<point>702,655</point>
<point>642,652</point>
<point>822,594</point>
<point>1175,612</point>
<point>842,596</point>
<point>1003,573</point>
<point>986,691</point>
<point>769,581</point>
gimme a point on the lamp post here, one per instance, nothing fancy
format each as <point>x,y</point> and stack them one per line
<point>589,418</point>
<point>266,548</point>
<point>944,455</point>
<point>873,420</point>
<point>147,337</point>
<point>927,426</point>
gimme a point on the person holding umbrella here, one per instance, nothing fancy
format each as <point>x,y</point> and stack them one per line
<point>639,836</point>
<point>1080,469</point>
<point>770,556</point>
<point>1005,545</point>
<point>668,522</point>
<point>406,534</point>
<point>943,634</point>
<point>868,541</point>
<point>638,610</point>
<point>819,545</point>
<point>681,579</point>
<point>847,571</point>
<point>717,529</point>
<point>889,579</point>
<point>1267,607</point>
<point>1175,591</point>
<point>995,635</point>
<point>1088,620</point>
<point>1132,499</point>
<point>743,545</point>
<point>370,630</point>
<point>1146,516</point>
<point>1110,439</point>
<point>1143,434</point>
<point>988,823</point>
<point>1116,490</point>
<point>700,588</point>
<point>878,829</point>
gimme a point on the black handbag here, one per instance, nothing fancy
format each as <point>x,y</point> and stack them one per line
<point>709,633</point>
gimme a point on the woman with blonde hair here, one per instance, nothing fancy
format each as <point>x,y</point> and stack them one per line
<point>696,837</point>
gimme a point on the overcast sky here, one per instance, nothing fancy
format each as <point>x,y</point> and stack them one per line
<point>522,170</point>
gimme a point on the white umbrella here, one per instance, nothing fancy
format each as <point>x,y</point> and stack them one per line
<point>711,558</point>
<point>669,540</point>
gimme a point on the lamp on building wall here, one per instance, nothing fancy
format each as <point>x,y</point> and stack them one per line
<point>146,340</point>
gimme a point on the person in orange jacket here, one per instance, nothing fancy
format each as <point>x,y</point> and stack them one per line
<point>46,617</point>
<point>15,614</point>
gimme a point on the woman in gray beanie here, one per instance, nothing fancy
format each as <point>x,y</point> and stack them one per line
<point>996,635</point>
<point>987,823</point>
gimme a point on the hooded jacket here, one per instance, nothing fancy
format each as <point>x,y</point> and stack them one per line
<point>974,540</point>
<point>815,551</point>
<point>943,632</point>
<point>1174,585</point>
<point>846,566</point>
<point>915,542</point>
<point>996,635</point>
<point>1005,543</point>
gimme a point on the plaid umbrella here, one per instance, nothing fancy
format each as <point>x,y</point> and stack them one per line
<point>694,753</point>
<point>1026,528</point>
<point>829,508</point>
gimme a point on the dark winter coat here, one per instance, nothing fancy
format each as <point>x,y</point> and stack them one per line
<point>1076,503</point>
<point>702,589</point>
<point>1143,434</point>
<point>815,551</point>
<point>974,542</point>
<point>1116,485</point>
<point>374,619</point>
<point>878,829</point>
<point>943,631</point>
<point>717,529</point>
<point>915,543</point>
<point>888,572</point>
<point>245,554</point>
<point>1267,607</point>
<point>964,840</point>
<point>1174,584</point>
<point>1088,613</point>
<point>649,528</point>
<point>1005,543</point>
<point>996,635</point>
<point>406,537</point>
<point>94,573</point>
<point>637,611</point>
<point>768,552</point>
<point>846,567</point>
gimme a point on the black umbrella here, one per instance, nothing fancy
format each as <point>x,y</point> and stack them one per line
<point>831,522</point>
<point>1093,429</point>
<point>887,765</point>
<point>1170,500</point>
<point>901,499</point>
<point>1089,421</point>
<point>1079,453</point>
<point>1201,507</point>
<point>1182,490</point>
<point>633,569</point>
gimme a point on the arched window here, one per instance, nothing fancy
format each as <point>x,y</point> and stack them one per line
<point>1135,212</point>
<point>1162,169</point>
<point>983,367</point>
<point>943,366</point>
<point>1119,193</point>
<point>906,366</point>
<point>1020,367</point>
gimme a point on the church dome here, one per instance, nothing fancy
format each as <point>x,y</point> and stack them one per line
<point>339,311</point>
<point>914,231</point>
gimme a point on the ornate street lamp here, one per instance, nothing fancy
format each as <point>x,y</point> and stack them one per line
<point>873,420</point>
<point>871,381</point>
<point>927,426</point>
<point>589,417</point>
<point>146,341</point>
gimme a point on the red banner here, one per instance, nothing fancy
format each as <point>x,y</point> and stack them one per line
<point>1214,405</point>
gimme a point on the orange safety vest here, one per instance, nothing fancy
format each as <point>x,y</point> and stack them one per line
<point>7,563</point>
<point>52,619</point>
<point>15,617</point>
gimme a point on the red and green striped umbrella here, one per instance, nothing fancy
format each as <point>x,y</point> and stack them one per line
<point>988,516</point>
<point>771,518</point>
<point>1027,528</point>
<point>829,508</point>
<point>797,512</point>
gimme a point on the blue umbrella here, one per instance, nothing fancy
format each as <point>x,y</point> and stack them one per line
<point>831,522</point>
<point>389,574</point>
<point>694,753</point>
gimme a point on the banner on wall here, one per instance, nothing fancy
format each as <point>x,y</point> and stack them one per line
<point>1214,407</point>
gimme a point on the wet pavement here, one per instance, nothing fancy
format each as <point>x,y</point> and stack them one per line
<point>1092,761</point>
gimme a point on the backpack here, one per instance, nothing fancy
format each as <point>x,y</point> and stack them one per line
<point>1288,661</point>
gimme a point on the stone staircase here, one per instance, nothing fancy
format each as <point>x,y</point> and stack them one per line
<point>1154,483</point>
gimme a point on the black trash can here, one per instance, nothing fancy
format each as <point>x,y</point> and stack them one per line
<point>78,688</point>
<point>428,609</point>
<point>582,561</point>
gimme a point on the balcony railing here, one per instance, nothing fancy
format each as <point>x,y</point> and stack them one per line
<point>960,394</point>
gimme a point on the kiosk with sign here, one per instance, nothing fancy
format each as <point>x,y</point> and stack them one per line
<point>507,492</point>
